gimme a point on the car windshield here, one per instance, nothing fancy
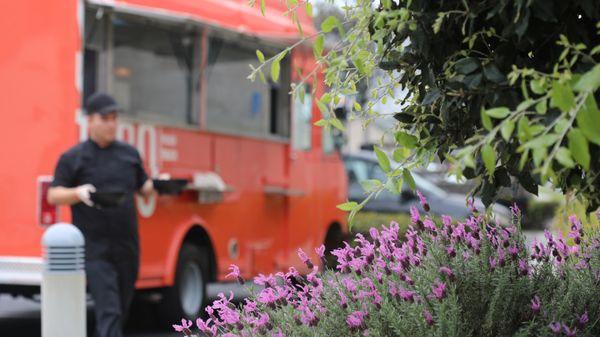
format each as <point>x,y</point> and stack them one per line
<point>361,169</point>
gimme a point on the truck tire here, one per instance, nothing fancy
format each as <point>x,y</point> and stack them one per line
<point>187,296</point>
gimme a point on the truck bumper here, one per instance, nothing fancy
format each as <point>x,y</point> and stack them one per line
<point>18,270</point>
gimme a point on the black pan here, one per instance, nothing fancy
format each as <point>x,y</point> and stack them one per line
<point>169,186</point>
<point>107,199</point>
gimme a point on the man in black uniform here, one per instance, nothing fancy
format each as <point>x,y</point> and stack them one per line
<point>103,164</point>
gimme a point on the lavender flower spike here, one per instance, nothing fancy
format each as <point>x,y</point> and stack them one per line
<point>423,201</point>
<point>536,304</point>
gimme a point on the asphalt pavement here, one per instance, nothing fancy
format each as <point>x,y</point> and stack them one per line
<point>20,317</point>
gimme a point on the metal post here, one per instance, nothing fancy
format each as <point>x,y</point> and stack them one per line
<point>63,282</point>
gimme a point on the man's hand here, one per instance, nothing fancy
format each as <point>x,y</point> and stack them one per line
<point>147,189</point>
<point>84,193</point>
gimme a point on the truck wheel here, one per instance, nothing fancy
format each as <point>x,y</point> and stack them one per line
<point>186,298</point>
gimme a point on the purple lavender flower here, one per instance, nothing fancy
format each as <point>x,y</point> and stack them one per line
<point>374,233</point>
<point>406,295</point>
<point>447,272</point>
<point>501,257</point>
<point>320,251</point>
<point>568,331</point>
<point>438,290</point>
<point>429,225</point>
<point>235,273</point>
<point>524,268</point>
<point>265,280</point>
<point>450,251</point>
<point>269,297</point>
<point>358,264</point>
<point>583,320</point>
<point>305,259</point>
<point>536,304</point>
<point>513,251</point>
<point>471,205</point>
<point>466,255</point>
<point>555,327</point>
<point>415,217</point>
<point>349,284</point>
<point>582,264</point>
<point>576,231</point>
<point>428,317</point>
<point>343,299</point>
<point>308,317</point>
<point>423,201</point>
<point>515,211</point>
<point>206,326</point>
<point>356,321</point>
<point>249,307</point>
<point>184,327</point>
<point>493,263</point>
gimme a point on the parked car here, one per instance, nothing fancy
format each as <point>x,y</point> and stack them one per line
<point>363,165</point>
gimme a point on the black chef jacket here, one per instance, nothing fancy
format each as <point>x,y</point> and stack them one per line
<point>116,168</point>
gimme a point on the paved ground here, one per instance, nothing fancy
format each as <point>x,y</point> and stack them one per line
<point>21,318</point>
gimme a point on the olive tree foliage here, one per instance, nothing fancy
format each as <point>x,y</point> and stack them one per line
<point>501,89</point>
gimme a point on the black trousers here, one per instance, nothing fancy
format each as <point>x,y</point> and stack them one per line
<point>111,282</point>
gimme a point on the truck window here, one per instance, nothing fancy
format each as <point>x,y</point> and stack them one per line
<point>155,70</point>
<point>237,105</point>
<point>302,123</point>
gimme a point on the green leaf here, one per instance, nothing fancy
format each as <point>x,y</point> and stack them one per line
<point>525,105</point>
<point>275,70</point>
<point>561,97</point>
<point>318,46</point>
<point>329,23</point>
<point>542,141</point>
<point>431,96</point>
<point>262,7</point>
<point>590,81</point>
<point>524,132</point>
<point>391,186</point>
<point>370,185</point>
<point>406,140</point>
<point>541,107</point>
<point>563,156</point>
<point>507,129</point>
<point>261,56</point>
<point>400,154</point>
<point>309,9</point>
<point>498,113</point>
<point>437,24</point>
<point>466,65</point>
<point>322,122</point>
<point>523,159</point>
<point>384,161</point>
<point>492,73</point>
<point>486,120</point>
<point>579,147</point>
<point>539,154</point>
<point>561,125</point>
<point>537,86</point>
<point>588,120</point>
<point>347,206</point>
<point>337,124</point>
<point>281,55</point>
<point>489,159</point>
<point>409,179</point>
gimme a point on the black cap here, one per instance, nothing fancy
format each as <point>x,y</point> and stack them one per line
<point>100,103</point>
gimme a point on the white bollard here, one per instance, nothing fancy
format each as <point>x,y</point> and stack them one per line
<point>63,282</point>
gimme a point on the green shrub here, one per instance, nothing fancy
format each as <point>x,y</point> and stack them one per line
<point>472,278</point>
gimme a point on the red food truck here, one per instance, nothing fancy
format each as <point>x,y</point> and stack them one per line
<point>263,180</point>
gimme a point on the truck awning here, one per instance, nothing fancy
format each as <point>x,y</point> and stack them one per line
<point>230,15</point>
